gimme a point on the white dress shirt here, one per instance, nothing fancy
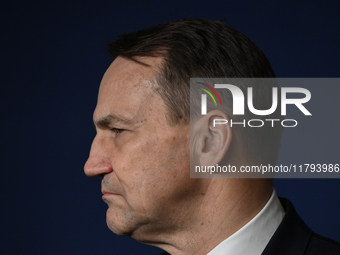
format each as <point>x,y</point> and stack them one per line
<point>253,237</point>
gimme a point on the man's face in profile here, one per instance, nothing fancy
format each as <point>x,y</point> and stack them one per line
<point>143,160</point>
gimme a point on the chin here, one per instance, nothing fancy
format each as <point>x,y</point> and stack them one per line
<point>120,225</point>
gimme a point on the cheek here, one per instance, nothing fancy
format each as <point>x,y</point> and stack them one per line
<point>166,173</point>
<point>137,164</point>
<point>165,158</point>
<point>154,170</point>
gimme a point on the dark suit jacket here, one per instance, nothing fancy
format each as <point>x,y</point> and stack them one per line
<point>293,237</point>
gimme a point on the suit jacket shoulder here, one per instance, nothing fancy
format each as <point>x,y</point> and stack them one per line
<point>294,237</point>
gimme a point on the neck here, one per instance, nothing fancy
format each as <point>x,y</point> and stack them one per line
<point>225,206</point>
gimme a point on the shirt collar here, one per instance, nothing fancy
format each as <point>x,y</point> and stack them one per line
<point>253,237</point>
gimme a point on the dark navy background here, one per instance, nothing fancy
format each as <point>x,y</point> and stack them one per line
<point>52,60</point>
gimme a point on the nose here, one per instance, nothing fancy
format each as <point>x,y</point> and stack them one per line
<point>98,163</point>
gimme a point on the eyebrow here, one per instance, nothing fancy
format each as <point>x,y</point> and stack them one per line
<point>111,119</point>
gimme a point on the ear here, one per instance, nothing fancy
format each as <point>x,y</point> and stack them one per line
<point>213,136</point>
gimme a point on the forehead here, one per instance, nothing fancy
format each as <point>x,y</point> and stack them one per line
<point>127,87</point>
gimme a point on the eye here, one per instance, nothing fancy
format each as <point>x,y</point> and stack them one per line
<point>116,131</point>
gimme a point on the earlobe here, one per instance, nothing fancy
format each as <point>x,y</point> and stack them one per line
<point>215,138</point>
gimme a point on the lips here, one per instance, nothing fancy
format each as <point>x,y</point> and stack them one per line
<point>105,192</point>
<point>108,196</point>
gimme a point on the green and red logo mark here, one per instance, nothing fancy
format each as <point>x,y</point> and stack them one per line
<point>209,93</point>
